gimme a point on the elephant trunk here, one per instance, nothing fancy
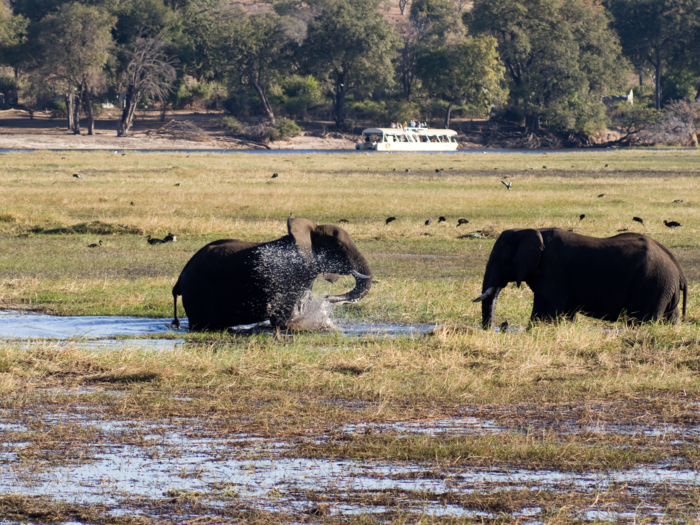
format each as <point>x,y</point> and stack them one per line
<point>363,282</point>
<point>488,309</point>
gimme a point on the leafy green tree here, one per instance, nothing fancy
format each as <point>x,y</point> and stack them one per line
<point>464,71</point>
<point>13,30</point>
<point>257,52</point>
<point>352,46</point>
<point>73,45</point>
<point>560,56</point>
<point>651,31</point>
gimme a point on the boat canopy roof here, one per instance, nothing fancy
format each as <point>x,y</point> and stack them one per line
<point>426,131</point>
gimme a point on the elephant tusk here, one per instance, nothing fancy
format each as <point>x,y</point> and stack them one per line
<point>358,275</point>
<point>484,295</point>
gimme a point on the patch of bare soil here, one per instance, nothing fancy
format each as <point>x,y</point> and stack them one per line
<point>179,130</point>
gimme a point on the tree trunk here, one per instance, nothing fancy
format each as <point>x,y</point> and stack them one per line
<point>88,112</point>
<point>266,102</point>
<point>532,123</point>
<point>340,101</point>
<point>641,77</point>
<point>697,95</point>
<point>447,115</point>
<point>69,110</point>
<point>163,109</point>
<point>76,111</point>
<point>658,79</point>
<point>127,118</point>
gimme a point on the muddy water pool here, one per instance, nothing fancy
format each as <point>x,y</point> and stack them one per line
<point>19,326</point>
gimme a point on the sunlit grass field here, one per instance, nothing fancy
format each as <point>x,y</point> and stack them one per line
<point>308,384</point>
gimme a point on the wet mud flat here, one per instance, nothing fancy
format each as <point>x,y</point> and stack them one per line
<point>90,440</point>
<point>74,464</point>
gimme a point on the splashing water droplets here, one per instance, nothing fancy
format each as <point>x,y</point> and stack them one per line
<point>313,312</point>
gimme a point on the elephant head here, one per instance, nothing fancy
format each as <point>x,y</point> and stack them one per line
<point>329,250</point>
<point>514,257</point>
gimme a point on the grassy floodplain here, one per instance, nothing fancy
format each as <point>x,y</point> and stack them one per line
<point>574,398</point>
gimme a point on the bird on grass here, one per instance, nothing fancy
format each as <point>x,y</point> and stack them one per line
<point>672,224</point>
<point>95,245</point>
<point>274,175</point>
<point>638,219</point>
<point>77,175</point>
<point>343,220</point>
<point>428,222</point>
<point>177,184</point>
<point>504,326</point>
<point>132,203</point>
<point>544,167</point>
<point>390,219</point>
<point>582,216</point>
<point>170,238</point>
<point>154,241</point>
<point>507,184</point>
<point>601,195</point>
<point>607,165</point>
<point>462,221</point>
<point>437,170</point>
<point>408,170</point>
<point>677,201</point>
<point>441,219</point>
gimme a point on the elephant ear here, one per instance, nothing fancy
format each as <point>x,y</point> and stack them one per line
<point>527,256</point>
<point>300,230</point>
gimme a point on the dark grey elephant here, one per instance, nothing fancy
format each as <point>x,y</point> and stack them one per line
<point>231,282</point>
<point>627,275</point>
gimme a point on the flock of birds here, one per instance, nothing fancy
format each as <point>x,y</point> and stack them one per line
<point>172,238</point>
<point>151,240</point>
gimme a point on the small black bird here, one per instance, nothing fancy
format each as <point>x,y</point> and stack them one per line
<point>441,219</point>
<point>343,220</point>
<point>582,216</point>
<point>408,170</point>
<point>437,170</point>
<point>428,222</point>
<point>390,219</point>
<point>638,219</point>
<point>544,167</point>
<point>132,203</point>
<point>672,224</point>
<point>177,184</point>
<point>601,195</point>
<point>154,241</point>
<point>607,165</point>
<point>677,201</point>
<point>169,238</point>
<point>462,221</point>
<point>274,175</point>
<point>77,175</point>
<point>504,326</point>
<point>93,245</point>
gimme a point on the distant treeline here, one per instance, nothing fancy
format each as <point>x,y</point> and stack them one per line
<point>537,62</point>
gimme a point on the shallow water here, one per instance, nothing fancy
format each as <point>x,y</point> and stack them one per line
<point>252,470</point>
<point>14,325</point>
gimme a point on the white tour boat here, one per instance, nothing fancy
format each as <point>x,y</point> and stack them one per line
<point>408,139</point>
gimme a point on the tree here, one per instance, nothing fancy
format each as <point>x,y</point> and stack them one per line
<point>13,30</point>
<point>652,30</point>
<point>350,44</point>
<point>560,56</point>
<point>149,73</point>
<point>257,51</point>
<point>465,71</point>
<point>73,45</point>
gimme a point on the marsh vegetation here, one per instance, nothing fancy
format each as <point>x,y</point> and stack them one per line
<point>561,423</point>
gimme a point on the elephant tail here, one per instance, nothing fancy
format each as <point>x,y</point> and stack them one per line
<point>176,292</point>
<point>685,297</point>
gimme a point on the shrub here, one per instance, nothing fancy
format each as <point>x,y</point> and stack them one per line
<point>232,125</point>
<point>284,129</point>
<point>57,108</point>
<point>302,94</point>
<point>243,105</point>
<point>9,88</point>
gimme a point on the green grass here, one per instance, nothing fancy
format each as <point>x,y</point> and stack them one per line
<point>301,388</point>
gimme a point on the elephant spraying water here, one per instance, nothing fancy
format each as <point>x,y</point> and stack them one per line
<point>627,275</point>
<point>232,282</point>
